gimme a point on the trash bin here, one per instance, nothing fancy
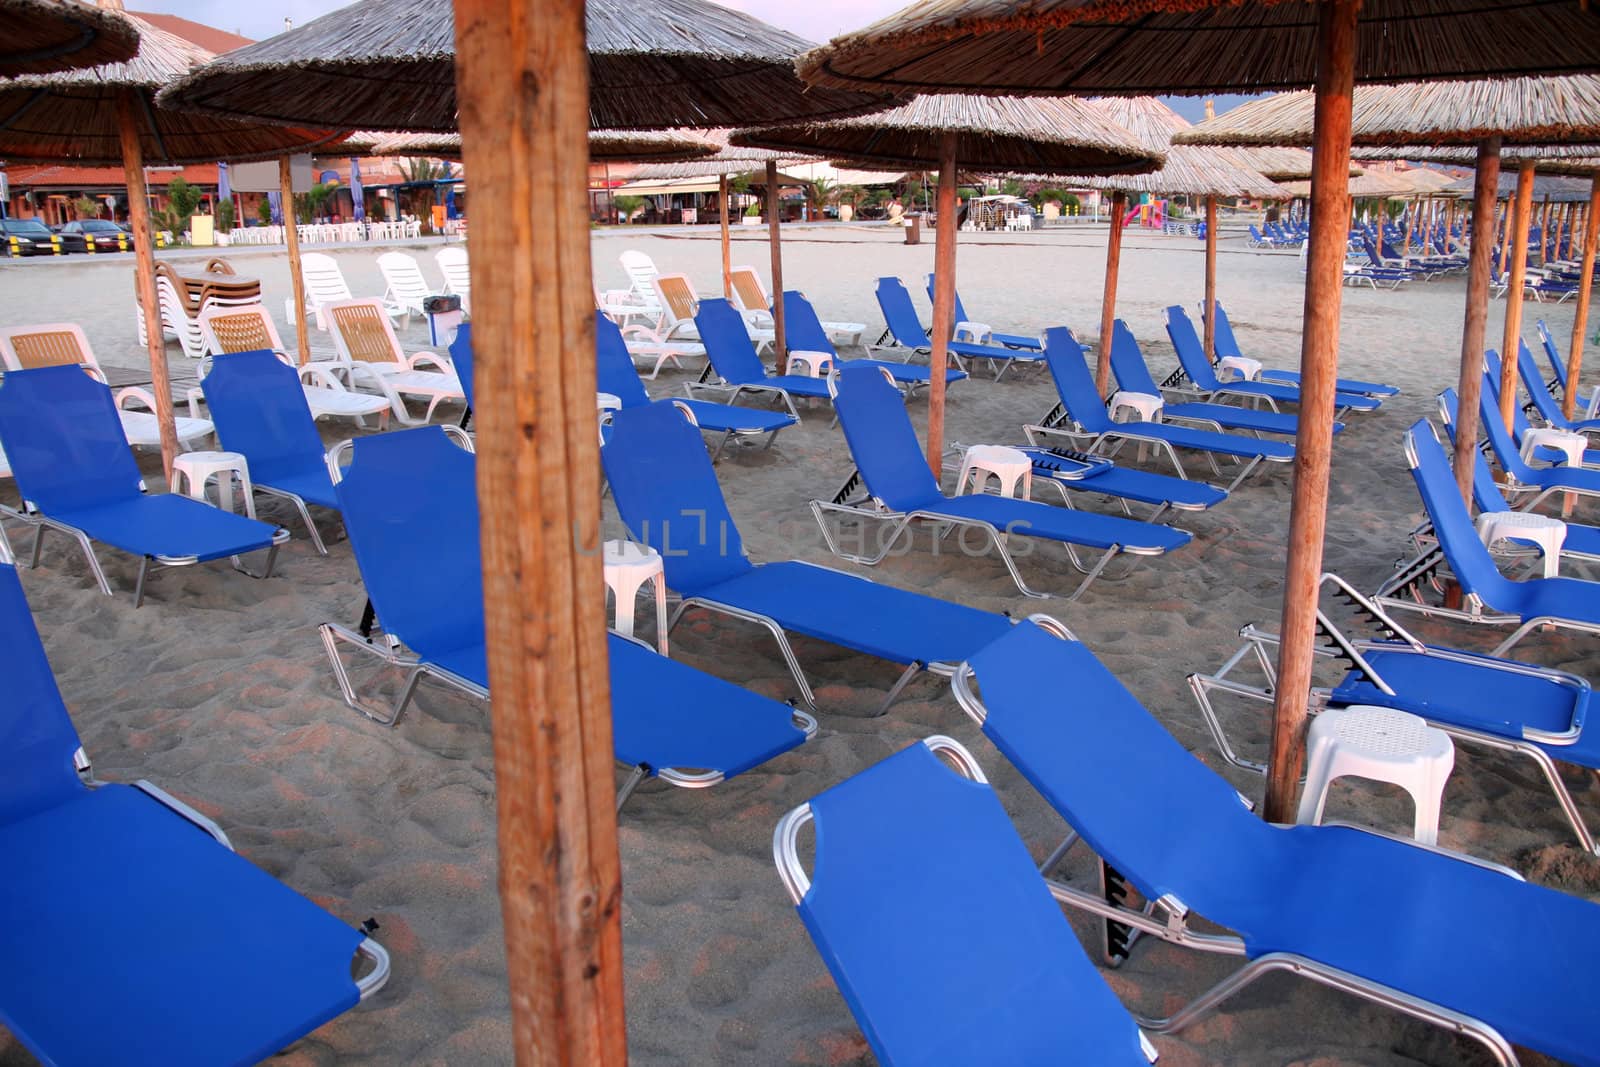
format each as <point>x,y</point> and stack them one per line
<point>913,229</point>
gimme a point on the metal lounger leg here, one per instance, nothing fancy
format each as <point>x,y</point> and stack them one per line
<point>332,634</point>
<point>629,784</point>
<point>806,695</point>
<point>904,680</point>
<point>266,571</point>
<point>1243,474</point>
<point>138,588</point>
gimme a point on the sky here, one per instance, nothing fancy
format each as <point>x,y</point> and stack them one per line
<point>815,20</point>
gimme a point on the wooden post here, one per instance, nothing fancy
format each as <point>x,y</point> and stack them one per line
<point>1211,278</point>
<point>1580,319</point>
<point>1405,248</point>
<point>1505,237</point>
<point>1519,272</point>
<point>1319,365</point>
<point>780,346</point>
<point>723,197</point>
<point>291,237</point>
<point>144,273</point>
<point>1469,386</point>
<point>944,300</point>
<point>1563,216</point>
<point>522,95</point>
<point>1108,298</point>
<point>1450,224</point>
<point>1544,233</point>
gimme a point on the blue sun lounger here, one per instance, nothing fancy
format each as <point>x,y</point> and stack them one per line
<point>1546,406</point>
<point>1491,597</point>
<point>1558,368</point>
<point>1451,940</point>
<point>1080,405</point>
<point>804,332</point>
<point>461,359</point>
<point>906,331</point>
<point>1520,426</point>
<point>732,356</point>
<point>617,375</point>
<point>72,463</point>
<point>260,412</point>
<point>1070,472</point>
<point>900,490</point>
<point>1133,376</point>
<point>1522,478</point>
<point>1492,703</point>
<point>1228,345</point>
<point>667,495</point>
<point>937,929</point>
<point>123,901</point>
<point>981,333</point>
<point>425,582</point>
<point>1192,357</point>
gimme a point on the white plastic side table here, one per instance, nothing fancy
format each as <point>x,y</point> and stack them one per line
<point>975,333</point>
<point>1146,405</point>
<point>809,364</point>
<point>628,565</point>
<point>1546,531</point>
<point>198,468</point>
<point>1009,466</point>
<point>1382,745</point>
<point>1246,368</point>
<point>1565,441</point>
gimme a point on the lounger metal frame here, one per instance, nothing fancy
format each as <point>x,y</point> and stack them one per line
<point>1514,489</point>
<point>1061,484</point>
<point>1168,919</point>
<point>727,435</point>
<point>1053,425</point>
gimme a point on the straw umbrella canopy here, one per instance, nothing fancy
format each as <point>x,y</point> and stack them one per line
<point>1200,46</point>
<point>1281,164</point>
<point>1369,184</point>
<point>1198,172</point>
<point>104,115</point>
<point>43,36</point>
<point>391,64</point>
<point>605,146</point>
<point>1065,135</point>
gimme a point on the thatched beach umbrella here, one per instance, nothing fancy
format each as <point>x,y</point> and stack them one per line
<point>527,90</point>
<point>1282,164</point>
<point>1188,171</point>
<point>1200,46</point>
<point>605,146</point>
<point>996,133</point>
<point>105,115</point>
<point>44,36</point>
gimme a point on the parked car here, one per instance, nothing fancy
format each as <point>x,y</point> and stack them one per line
<point>106,235</point>
<point>32,237</point>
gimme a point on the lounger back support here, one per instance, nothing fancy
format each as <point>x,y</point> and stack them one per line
<point>901,314</point>
<point>803,331</point>
<point>1548,407</point>
<point>667,494</point>
<point>728,344</point>
<point>939,932</point>
<point>1064,356</point>
<point>461,358</point>
<point>56,344</point>
<point>260,412</point>
<point>1127,362</point>
<point>677,296</point>
<point>1470,561</point>
<point>960,308</point>
<point>242,329</point>
<point>37,741</point>
<point>1486,495</point>
<point>1190,353</point>
<point>1494,426</point>
<point>362,330</point>
<point>747,289</point>
<point>65,443</point>
<point>457,273</point>
<point>427,591</point>
<point>614,370</point>
<point>1226,343</point>
<point>883,441</point>
<point>323,279</point>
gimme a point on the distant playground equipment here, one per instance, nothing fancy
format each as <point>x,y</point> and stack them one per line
<point>1148,212</point>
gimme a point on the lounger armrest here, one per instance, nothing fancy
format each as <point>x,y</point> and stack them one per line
<point>718,390</point>
<point>1033,432</point>
<point>195,398</point>
<point>134,392</point>
<point>1488,865</point>
<point>420,359</point>
<point>184,811</point>
<point>322,378</point>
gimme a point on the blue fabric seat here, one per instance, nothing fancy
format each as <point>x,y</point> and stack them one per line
<point>60,431</point>
<point>901,316</point>
<point>260,412</point>
<point>733,357</point>
<point>941,936</point>
<point>1228,345</point>
<point>804,332</point>
<point>1080,402</point>
<point>118,899</point>
<point>425,582</point>
<point>1007,340</point>
<point>1382,917</point>
<point>1133,375</point>
<point>617,375</point>
<point>461,359</point>
<point>667,494</point>
<point>1094,475</point>
<point>885,448</point>
<point>1192,356</point>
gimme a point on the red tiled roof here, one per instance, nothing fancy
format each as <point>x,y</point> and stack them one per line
<point>208,37</point>
<point>69,177</point>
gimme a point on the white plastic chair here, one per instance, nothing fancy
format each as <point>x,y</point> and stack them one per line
<point>368,346</point>
<point>248,329</point>
<point>457,278</point>
<point>324,284</point>
<point>407,289</point>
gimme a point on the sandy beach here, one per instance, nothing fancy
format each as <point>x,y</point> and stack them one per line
<point>218,691</point>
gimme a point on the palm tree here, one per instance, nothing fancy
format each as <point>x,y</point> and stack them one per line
<point>425,170</point>
<point>819,192</point>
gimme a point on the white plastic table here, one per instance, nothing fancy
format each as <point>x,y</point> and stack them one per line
<point>1146,405</point>
<point>1246,368</point>
<point>1565,441</point>
<point>628,565</point>
<point>1383,745</point>
<point>810,364</point>
<point>1009,466</point>
<point>197,468</point>
<point>974,333</point>
<point>1546,531</point>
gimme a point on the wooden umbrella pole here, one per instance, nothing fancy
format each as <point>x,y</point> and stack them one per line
<point>727,246</point>
<point>1580,320</point>
<point>1211,278</point>
<point>1505,237</point>
<point>944,300</point>
<point>539,497</point>
<point>1108,298</point>
<point>1405,253</point>
<point>1562,216</point>
<point>780,346</point>
<point>144,269</point>
<point>1544,233</point>
<point>1319,364</point>
<point>1480,262</point>
<point>1519,273</point>
<point>291,237</point>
